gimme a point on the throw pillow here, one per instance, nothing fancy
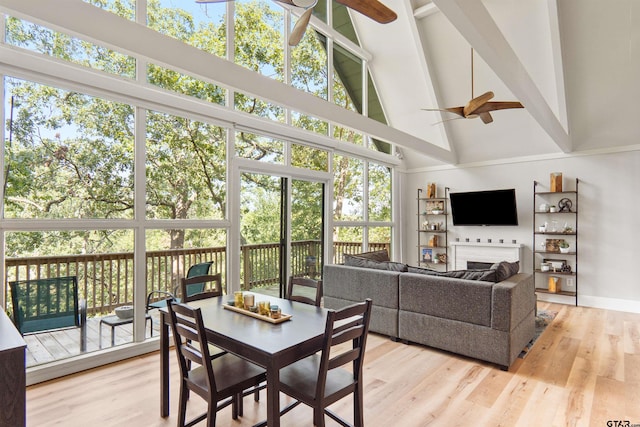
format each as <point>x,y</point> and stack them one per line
<point>380,256</point>
<point>483,275</point>
<point>505,269</point>
<point>356,261</point>
<point>422,270</point>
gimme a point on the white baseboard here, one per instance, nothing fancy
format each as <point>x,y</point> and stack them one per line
<point>615,304</point>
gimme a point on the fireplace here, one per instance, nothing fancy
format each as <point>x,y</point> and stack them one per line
<point>466,254</point>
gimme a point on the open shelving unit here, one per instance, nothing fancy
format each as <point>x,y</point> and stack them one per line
<point>561,225</point>
<point>433,242</point>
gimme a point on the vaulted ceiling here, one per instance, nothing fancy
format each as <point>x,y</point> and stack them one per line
<point>573,64</point>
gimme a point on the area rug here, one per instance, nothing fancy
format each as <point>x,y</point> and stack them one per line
<point>543,319</point>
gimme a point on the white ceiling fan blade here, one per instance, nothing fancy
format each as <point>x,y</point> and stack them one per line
<point>300,28</point>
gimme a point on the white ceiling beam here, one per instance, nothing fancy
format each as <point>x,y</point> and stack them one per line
<point>89,22</point>
<point>425,61</point>
<point>473,21</point>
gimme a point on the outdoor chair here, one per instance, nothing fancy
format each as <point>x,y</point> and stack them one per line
<point>308,283</point>
<point>220,381</point>
<point>320,379</point>
<point>49,304</point>
<point>200,269</point>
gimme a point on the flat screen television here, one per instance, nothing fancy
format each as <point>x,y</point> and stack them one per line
<point>494,207</point>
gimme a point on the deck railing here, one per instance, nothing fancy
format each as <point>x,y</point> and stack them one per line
<point>106,280</point>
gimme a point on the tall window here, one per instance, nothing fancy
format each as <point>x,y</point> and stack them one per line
<point>358,228</point>
<point>68,155</point>
<point>186,168</point>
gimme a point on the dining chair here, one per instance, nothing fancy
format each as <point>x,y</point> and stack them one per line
<point>200,287</point>
<point>199,269</point>
<point>322,379</point>
<point>297,282</point>
<point>220,381</point>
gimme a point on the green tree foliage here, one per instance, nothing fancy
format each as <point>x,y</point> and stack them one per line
<point>71,155</point>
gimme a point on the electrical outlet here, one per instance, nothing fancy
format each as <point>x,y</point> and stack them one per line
<point>571,282</point>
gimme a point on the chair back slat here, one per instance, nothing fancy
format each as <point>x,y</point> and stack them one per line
<point>45,304</point>
<point>343,358</point>
<point>348,324</point>
<point>308,283</point>
<point>200,287</point>
<point>190,340</point>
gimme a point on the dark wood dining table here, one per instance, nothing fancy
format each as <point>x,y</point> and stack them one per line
<point>271,346</point>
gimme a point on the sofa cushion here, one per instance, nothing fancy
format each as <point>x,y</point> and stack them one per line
<point>356,261</point>
<point>505,269</point>
<point>484,275</point>
<point>446,297</point>
<point>357,284</point>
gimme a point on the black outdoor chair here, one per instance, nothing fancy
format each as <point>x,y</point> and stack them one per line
<point>49,304</point>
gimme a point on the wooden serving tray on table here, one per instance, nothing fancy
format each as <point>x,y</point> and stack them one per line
<point>283,317</point>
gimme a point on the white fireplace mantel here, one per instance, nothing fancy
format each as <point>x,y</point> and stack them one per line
<point>484,252</point>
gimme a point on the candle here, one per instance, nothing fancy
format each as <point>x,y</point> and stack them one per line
<point>249,300</point>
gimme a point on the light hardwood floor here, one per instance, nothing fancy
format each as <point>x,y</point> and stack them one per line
<point>583,371</point>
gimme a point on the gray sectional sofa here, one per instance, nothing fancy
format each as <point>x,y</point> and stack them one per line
<point>476,318</point>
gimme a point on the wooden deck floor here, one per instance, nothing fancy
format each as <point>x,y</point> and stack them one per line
<point>45,347</point>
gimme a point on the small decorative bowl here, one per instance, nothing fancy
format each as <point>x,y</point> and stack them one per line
<point>124,311</point>
<point>231,302</point>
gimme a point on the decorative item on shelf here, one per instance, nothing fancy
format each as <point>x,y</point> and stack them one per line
<point>435,207</point>
<point>431,190</point>
<point>553,245</point>
<point>565,204</point>
<point>566,268</point>
<point>564,246</point>
<point>567,229</point>
<point>433,241</point>
<point>543,228</point>
<point>442,258</point>
<point>553,208</point>
<point>425,225</point>
<point>545,266</point>
<point>544,207</point>
<point>556,264</point>
<point>554,284</point>
<point>427,255</point>
<point>556,182</point>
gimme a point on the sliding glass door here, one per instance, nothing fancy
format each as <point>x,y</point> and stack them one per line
<point>281,231</point>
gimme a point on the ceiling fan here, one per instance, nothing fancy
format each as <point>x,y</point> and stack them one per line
<point>373,9</point>
<point>479,106</point>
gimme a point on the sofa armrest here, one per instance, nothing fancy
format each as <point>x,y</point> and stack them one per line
<point>513,299</point>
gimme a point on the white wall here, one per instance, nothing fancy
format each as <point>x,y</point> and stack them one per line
<point>609,216</point>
